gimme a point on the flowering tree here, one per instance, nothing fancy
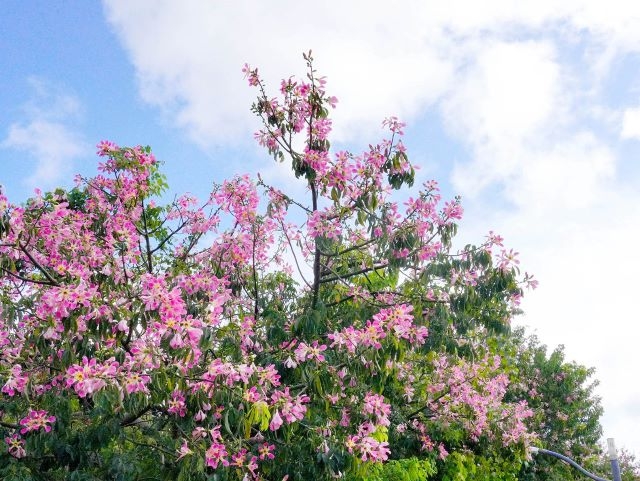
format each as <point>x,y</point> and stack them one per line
<point>310,339</point>
<point>567,412</point>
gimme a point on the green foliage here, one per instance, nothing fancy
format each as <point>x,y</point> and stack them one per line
<point>408,469</point>
<point>567,412</point>
<point>490,465</point>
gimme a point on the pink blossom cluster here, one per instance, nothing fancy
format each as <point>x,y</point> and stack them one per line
<point>324,224</point>
<point>375,405</point>
<point>91,376</point>
<point>397,320</point>
<point>473,394</point>
<point>311,352</point>
<point>17,381</point>
<point>368,448</point>
<point>36,420</point>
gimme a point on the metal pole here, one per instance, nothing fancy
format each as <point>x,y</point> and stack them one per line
<point>571,462</point>
<point>613,457</point>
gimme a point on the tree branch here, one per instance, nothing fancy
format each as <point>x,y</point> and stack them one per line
<point>316,256</point>
<point>295,258</point>
<point>352,274</point>
<point>27,279</point>
<point>132,418</point>
<point>255,275</point>
<point>352,248</point>
<point>37,265</point>
<point>146,240</point>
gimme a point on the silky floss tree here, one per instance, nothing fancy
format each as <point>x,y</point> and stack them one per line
<point>142,341</point>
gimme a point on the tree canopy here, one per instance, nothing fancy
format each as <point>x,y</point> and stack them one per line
<point>254,335</point>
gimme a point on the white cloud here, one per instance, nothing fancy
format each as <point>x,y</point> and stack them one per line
<point>515,108</point>
<point>381,59</point>
<point>501,104</point>
<point>508,93</point>
<point>571,174</point>
<point>188,60</point>
<point>631,124</point>
<point>52,145</point>
<point>47,135</point>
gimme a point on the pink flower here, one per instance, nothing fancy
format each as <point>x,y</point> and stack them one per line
<point>313,352</point>
<point>177,404</point>
<point>251,75</point>
<point>16,382</point>
<point>442,452</point>
<point>452,210</point>
<point>135,382</point>
<point>276,421</point>
<point>252,395</point>
<point>91,376</point>
<point>375,404</point>
<point>368,448</point>
<point>184,450</point>
<point>106,147</point>
<point>351,443</point>
<point>15,446</point>
<point>266,451</point>
<point>216,454</point>
<point>394,125</point>
<point>494,239</point>
<point>239,458</point>
<point>35,421</point>
<point>529,281</point>
<point>323,224</point>
<point>507,259</point>
<point>292,409</point>
<point>374,450</point>
<point>345,420</point>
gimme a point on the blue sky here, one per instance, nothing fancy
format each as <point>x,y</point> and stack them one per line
<point>65,71</point>
<point>529,110</point>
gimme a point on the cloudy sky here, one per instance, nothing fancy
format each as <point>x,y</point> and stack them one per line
<point>529,110</point>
